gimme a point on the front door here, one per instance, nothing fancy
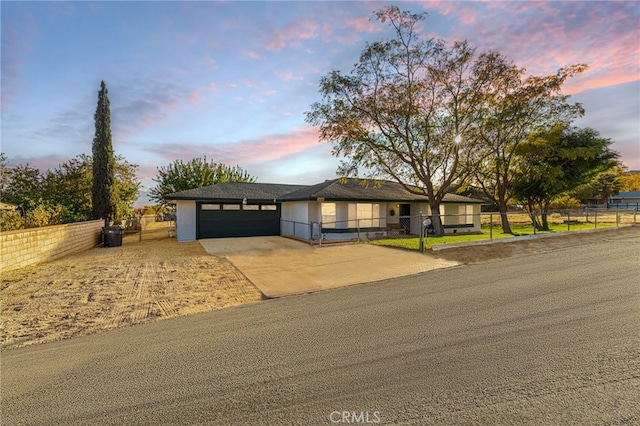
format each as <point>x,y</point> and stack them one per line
<point>404,213</point>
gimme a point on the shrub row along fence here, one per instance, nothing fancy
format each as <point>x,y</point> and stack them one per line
<point>489,224</point>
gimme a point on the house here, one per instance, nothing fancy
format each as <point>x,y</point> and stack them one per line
<point>337,209</point>
<point>625,200</point>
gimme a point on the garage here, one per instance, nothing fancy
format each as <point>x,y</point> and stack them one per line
<point>222,220</point>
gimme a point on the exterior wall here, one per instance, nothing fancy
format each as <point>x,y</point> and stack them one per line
<point>36,245</point>
<point>454,218</point>
<point>346,218</point>
<point>186,220</point>
<point>295,219</point>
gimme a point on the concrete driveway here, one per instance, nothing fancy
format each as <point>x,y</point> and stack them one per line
<point>280,266</point>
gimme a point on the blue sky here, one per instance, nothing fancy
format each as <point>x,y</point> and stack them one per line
<point>232,80</point>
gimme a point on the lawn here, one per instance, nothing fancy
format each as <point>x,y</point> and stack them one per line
<point>518,230</point>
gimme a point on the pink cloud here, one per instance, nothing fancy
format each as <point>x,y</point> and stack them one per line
<point>245,152</point>
<point>292,34</point>
<point>273,147</point>
<point>285,75</point>
<point>363,24</point>
<point>546,36</point>
<point>48,162</point>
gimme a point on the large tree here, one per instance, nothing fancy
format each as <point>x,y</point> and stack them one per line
<point>406,110</point>
<point>70,186</point>
<point>558,161</point>
<point>102,191</point>
<point>516,106</point>
<point>22,186</point>
<point>195,173</point>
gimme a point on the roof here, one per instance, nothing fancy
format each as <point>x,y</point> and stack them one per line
<point>365,190</point>
<point>628,194</point>
<point>231,191</point>
<point>329,190</point>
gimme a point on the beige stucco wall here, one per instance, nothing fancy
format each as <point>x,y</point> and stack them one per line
<point>36,245</point>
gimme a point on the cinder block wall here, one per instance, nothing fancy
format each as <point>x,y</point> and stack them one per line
<point>35,245</point>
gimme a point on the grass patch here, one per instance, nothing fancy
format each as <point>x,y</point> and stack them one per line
<point>518,230</point>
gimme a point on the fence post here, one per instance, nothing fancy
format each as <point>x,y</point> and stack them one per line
<point>634,215</point>
<point>568,220</point>
<point>617,217</point>
<point>422,236</point>
<point>358,228</point>
<point>491,226</point>
<point>595,219</point>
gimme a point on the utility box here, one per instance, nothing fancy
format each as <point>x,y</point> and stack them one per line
<point>112,236</point>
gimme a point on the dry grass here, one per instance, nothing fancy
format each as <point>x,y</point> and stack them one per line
<point>106,288</point>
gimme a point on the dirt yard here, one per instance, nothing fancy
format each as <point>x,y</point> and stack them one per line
<point>139,282</point>
<point>106,288</point>
<point>504,249</point>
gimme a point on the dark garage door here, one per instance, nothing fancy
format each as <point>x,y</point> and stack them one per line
<point>237,220</point>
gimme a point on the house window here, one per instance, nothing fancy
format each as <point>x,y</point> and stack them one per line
<point>465,215</point>
<point>251,207</point>
<point>469,215</point>
<point>328,211</point>
<point>269,207</point>
<point>210,207</point>
<point>367,215</point>
<point>231,207</point>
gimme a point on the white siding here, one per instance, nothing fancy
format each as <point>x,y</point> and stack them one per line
<point>295,219</point>
<point>186,220</point>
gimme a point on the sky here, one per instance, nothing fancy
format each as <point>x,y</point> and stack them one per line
<point>232,80</point>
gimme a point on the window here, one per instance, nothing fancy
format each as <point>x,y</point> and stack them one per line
<point>231,207</point>
<point>210,207</point>
<point>269,207</point>
<point>368,215</point>
<point>469,215</point>
<point>251,207</point>
<point>328,215</point>
<point>465,215</point>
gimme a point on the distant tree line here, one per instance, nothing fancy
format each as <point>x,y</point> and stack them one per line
<point>63,195</point>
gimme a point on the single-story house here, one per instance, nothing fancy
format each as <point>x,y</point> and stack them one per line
<point>335,209</point>
<point>625,200</point>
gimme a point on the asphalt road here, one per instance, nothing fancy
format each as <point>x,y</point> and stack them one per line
<point>549,338</point>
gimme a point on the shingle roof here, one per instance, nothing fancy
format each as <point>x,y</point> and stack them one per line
<point>330,190</point>
<point>364,190</point>
<point>232,191</point>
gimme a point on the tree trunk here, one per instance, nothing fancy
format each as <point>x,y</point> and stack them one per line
<point>504,219</point>
<point>436,220</point>
<point>545,213</point>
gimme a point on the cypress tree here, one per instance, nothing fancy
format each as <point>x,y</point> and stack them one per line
<point>102,191</point>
